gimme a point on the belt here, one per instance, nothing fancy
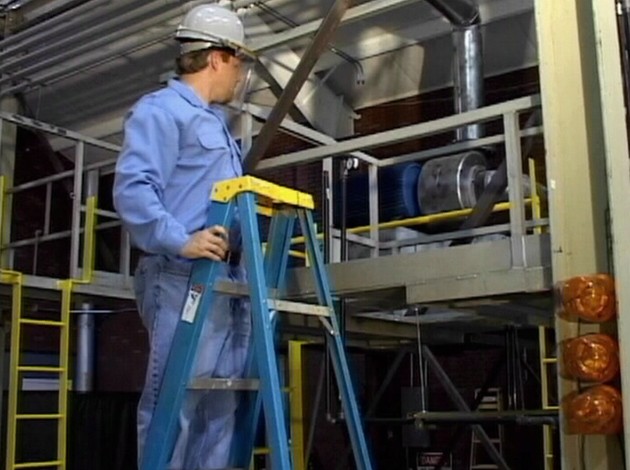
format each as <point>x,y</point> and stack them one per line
<point>233,258</point>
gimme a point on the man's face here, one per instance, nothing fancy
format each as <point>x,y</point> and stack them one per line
<point>232,75</point>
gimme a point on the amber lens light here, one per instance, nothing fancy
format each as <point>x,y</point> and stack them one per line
<point>592,358</point>
<point>590,298</point>
<point>597,410</point>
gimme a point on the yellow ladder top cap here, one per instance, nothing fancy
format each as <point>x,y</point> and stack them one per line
<point>224,191</point>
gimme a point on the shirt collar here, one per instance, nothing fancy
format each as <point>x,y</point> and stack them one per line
<point>187,92</point>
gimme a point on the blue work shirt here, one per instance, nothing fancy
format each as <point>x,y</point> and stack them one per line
<point>176,147</point>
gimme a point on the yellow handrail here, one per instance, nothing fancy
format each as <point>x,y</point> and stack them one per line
<point>66,286</point>
<point>420,220</point>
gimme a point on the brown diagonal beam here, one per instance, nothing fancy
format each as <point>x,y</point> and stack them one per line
<point>313,52</point>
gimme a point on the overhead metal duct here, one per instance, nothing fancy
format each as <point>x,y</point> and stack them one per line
<point>468,60</point>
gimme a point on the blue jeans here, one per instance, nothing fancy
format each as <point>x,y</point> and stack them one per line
<point>207,417</point>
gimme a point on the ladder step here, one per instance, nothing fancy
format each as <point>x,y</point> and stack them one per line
<point>52,463</point>
<point>236,289</point>
<point>299,307</point>
<point>40,369</point>
<point>209,383</point>
<point>39,416</point>
<point>30,321</point>
<point>240,289</point>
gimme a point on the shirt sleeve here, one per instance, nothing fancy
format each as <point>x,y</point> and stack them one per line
<point>147,160</point>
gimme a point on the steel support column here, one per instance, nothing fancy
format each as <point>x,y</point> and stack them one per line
<point>576,177</point>
<point>614,120</point>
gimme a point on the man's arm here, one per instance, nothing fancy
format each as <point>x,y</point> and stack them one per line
<point>147,160</point>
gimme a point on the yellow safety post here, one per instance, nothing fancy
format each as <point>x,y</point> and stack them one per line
<point>15,279</point>
<point>296,404</point>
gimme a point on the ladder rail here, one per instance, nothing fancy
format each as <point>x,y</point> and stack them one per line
<point>275,264</point>
<point>339,360</point>
<point>263,333</point>
<point>162,432</point>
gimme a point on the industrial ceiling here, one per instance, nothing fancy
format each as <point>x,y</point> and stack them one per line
<point>81,65</point>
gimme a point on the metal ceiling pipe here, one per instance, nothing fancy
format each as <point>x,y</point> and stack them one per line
<point>33,12</point>
<point>90,47</point>
<point>72,32</point>
<point>50,25</point>
<point>94,60</point>
<point>468,61</point>
<point>147,10</point>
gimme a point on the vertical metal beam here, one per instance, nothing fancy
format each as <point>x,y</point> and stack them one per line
<point>576,177</point>
<point>373,208</point>
<point>328,207</point>
<point>514,161</point>
<point>77,195</point>
<point>302,71</point>
<point>614,120</point>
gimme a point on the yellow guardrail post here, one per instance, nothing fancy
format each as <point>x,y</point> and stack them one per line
<point>296,403</point>
<point>15,279</point>
<point>66,286</point>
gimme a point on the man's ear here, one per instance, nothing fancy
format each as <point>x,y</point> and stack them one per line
<point>213,59</point>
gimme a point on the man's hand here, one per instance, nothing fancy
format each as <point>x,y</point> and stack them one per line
<point>210,243</point>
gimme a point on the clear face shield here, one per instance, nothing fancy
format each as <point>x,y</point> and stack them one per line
<point>243,85</point>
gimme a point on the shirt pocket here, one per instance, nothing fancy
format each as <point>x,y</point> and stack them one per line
<point>217,146</point>
<point>204,150</point>
<point>213,141</point>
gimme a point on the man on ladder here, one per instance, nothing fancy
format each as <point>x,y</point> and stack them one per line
<point>177,146</point>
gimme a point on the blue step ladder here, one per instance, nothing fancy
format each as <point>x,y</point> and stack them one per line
<point>265,274</point>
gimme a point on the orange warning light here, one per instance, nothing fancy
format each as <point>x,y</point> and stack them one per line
<point>597,410</point>
<point>592,357</point>
<point>590,298</point>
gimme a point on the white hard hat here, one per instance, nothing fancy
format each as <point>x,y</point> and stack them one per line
<point>212,26</point>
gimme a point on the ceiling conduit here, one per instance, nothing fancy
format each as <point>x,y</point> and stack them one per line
<point>107,26</point>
